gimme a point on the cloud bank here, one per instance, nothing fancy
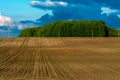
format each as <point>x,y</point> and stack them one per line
<point>106,10</point>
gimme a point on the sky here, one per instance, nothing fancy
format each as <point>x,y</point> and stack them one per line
<point>20,14</point>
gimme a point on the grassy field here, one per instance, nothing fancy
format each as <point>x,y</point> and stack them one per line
<point>60,59</point>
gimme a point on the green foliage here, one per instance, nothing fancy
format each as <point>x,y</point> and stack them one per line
<point>113,32</point>
<point>29,32</point>
<point>71,29</point>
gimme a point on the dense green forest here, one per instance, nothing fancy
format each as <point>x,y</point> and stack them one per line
<point>71,29</point>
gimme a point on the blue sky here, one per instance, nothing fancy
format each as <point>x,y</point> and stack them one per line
<point>20,14</point>
<point>19,10</point>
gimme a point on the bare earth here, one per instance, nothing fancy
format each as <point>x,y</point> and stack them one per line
<point>60,59</point>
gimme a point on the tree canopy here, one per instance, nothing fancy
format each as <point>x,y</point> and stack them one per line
<point>71,28</point>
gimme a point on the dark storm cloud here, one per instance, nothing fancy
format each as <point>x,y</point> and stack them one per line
<point>85,2</point>
<point>111,20</point>
<point>79,10</point>
<point>61,14</point>
<point>114,21</point>
<point>45,19</point>
<point>111,3</point>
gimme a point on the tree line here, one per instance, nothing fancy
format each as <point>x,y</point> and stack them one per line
<point>71,28</point>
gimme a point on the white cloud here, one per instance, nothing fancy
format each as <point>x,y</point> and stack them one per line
<point>20,27</point>
<point>5,21</point>
<point>48,3</point>
<point>108,11</point>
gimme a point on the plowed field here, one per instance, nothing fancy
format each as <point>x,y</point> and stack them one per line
<point>60,59</point>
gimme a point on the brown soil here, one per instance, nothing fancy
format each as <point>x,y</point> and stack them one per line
<point>60,59</point>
